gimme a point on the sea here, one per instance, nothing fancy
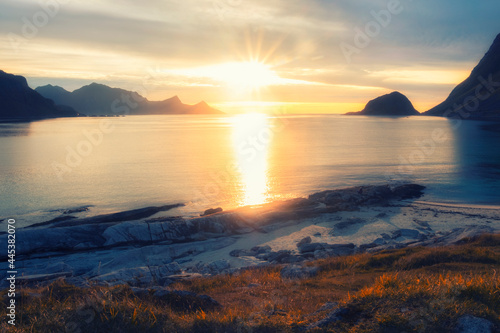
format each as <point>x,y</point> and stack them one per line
<point>98,165</point>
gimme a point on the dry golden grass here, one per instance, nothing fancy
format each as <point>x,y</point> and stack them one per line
<point>406,290</point>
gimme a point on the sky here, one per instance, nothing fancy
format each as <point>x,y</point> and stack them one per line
<point>301,55</point>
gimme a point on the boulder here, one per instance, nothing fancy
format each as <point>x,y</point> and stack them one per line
<point>471,324</point>
<point>406,233</point>
<point>458,234</point>
<point>311,247</point>
<point>212,211</point>
<point>279,256</point>
<point>298,272</point>
<point>306,240</point>
<point>352,198</point>
<point>349,222</point>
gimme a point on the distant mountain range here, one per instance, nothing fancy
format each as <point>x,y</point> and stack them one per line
<point>393,104</point>
<point>18,102</point>
<point>98,99</point>
<point>478,97</point>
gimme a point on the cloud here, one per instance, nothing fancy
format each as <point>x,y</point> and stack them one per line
<point>118,42</point>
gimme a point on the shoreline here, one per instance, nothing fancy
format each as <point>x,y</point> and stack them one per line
<point>140,248</point>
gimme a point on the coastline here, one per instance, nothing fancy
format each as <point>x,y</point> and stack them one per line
<point>134,248</point>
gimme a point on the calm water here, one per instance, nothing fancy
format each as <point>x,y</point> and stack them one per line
<point>209,161</point>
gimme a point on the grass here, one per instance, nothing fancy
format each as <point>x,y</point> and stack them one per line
<point>404,290</point>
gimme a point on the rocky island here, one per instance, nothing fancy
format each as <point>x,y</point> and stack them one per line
<point>393,104</point>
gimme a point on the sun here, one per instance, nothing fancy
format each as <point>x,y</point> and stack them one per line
<point>248,75</point>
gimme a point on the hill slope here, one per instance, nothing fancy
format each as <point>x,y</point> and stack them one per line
<point>19,102</point>
<point>478,97</point>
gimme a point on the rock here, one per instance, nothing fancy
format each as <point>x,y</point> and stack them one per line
<point>340,249</point>
<point>318,234</point>
<point>75,210</point>
<point>321,254</point>
<point>219,265</point>
<point>212,211</point>
<point>56,267</point>
<point>298,272</point>
<point>242,253</point>
<point>471,324</point>
<point>406,233</point>
<point>458,234</point>
<point>332,317</point>
<point>350,199</point>
<point>408,191</point>
<point>261,249</point>
<point>363,247</point>
<point>129,215</point>
<point>139,292</point>
<point>37,278</point>
<point>393,104</point>
<point>163,272</point>
<point>213,268</point>
<point>306,240</point>
<point>254,285</point>
<point>311,247</point>
<point>186,301</point>
<point>279,257</point>
<point>331,249</point>
<point>350,222</point>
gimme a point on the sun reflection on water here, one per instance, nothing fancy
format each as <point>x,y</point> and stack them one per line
<point>251,139</point>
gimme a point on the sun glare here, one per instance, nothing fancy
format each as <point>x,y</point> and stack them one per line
<point>251,143</point>
<point>250,75</point>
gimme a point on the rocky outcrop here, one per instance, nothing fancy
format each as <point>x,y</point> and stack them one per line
<point>100,100</point>
<point>352,198</point>
<point>18,102</point>
<point>298,272</point>
<point>478,97</point>
<point>393,104</point>
<point>138,248</point>
<point>471,324</point>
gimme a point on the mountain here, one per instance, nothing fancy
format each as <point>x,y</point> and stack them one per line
<point>478,97</point>
<point>393,104</point>
<point>18,102</point>
<point>99,99</point>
